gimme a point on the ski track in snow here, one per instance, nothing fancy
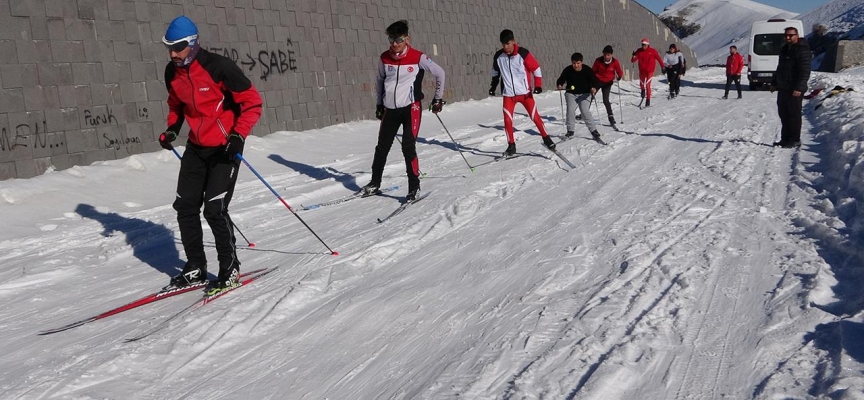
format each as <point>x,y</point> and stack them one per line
<point>658,269</point>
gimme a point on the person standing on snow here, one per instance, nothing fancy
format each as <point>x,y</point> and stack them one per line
<point>398,90</point>
<point>580,85</point>
<point>646,56</point>
<point>220,106</point>
<point>790,82</point>
<point>513,66</point>
<point>734,67</point>
<point>675,68</point>
<point>607,69</point>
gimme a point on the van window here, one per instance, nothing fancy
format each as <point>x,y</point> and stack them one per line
<point>768,44</point>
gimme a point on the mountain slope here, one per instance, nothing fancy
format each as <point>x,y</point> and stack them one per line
<point>723,23</point>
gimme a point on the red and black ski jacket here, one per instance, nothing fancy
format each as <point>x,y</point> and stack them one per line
<point>214,97</point>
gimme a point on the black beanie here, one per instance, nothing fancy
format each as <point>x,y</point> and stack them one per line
<point>607,49</point>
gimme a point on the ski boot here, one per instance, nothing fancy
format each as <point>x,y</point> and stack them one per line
<point>192,274</point>
<point>569,134</point>
<point>372,188</point>
<point>548,142</point>
<point>228,278</point>
<point>511,150</point>
<point>413,195</point>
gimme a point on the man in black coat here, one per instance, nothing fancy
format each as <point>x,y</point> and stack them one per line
<point>790,82</point>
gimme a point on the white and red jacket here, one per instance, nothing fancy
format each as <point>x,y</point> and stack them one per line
<point>734,64</point>
<point>400,78</point>
<point>647,58</point>
<point>515,71</point>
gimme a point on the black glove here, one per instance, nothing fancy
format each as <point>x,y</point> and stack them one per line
<point>538,90</point>
<point>663,70</point>
<point>234,146</point>
<point>379,111</point>
<point>166,138</point>
<point>492,91</point>
<point>634,54</point>
<point>436,106</point>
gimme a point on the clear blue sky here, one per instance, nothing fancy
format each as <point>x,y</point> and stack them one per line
<point>798,6</point>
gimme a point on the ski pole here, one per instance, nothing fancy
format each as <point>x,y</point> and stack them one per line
<point>240,156</point>
<point>620,108</point>
<point>250,244</point>
<point>454,142</point>
<point>563,116</point>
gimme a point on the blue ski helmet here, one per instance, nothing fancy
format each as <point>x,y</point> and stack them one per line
<point>181,28</point>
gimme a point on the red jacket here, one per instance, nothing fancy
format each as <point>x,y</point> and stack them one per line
<point>606,73</point>
<point>646,58</point>
<point>211,94</point>
<point>734,64</point>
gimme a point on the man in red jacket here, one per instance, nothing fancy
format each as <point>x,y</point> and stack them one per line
<point>607,69</point>
<point>646,56</point>
<point>220,106</point>
<point>734,66</point>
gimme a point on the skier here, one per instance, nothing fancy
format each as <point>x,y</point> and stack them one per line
<point>220,106</point>
<point>790,82</point>
<point>734,66</point>
<point>518,65</point>
<point>398,90</point>
<point>675,68</point>
<point>580,85</point>
<point>607,69</point>
<point>646,56</point>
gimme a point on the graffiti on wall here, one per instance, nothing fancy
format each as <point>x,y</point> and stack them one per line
<point>26,135</point>
<point>478,63</point>
<point>271,62</point>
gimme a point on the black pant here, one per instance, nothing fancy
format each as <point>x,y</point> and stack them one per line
<point>409,119</point>
<point>605,89</point>
<point>789,110</point>
<point>206,178</point>
<point>674,80</point>
<point>729,80</point>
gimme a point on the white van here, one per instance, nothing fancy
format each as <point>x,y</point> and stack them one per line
<point>766,38</point>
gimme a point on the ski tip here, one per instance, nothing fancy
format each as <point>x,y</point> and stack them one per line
<point>334,253</point>
<point>251,244</point>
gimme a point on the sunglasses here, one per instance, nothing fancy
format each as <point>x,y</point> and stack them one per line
<point>398,40</point>
<point>791,34</point>
<point>179,44</point>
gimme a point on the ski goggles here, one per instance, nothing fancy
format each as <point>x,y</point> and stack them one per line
<point>397,39</point>
<point>179,44</point>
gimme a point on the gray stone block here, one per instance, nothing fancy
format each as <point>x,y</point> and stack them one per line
<point>106,93</point>
<point>92,156</point>
<point>93,9</point>
<point>19,75</point>
<point>62,119</point>
<point>7,171</point>
<point>115,72</point>
<point>33,51</point>
<point>132,92</point>
<point>74,96</point>
<point>156,90</point>
<point>51,74</point>
<point>65,161</point>
<point>34,8</point>
<point>79,141</point>
<point>41,97</point>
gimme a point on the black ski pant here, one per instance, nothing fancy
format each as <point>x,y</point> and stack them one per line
<point>789,110</point>
<point>206,178</point>
<point>729,80</point>
<point>674,80</point>
<point>409,119</point>
<point>606,88</point>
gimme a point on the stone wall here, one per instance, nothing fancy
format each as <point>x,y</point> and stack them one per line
<point>843,54</point>
<point>82,80</point>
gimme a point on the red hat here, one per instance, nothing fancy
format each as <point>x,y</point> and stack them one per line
<point>645,41</point>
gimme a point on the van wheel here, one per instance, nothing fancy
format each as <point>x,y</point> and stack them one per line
<point>754,86</point>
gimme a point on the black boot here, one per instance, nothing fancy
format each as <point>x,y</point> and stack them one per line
<point>511,150</point>
<point>229,277</point>
<point>548,142</point>
<point>611,120</point>
<point>193,274</point>
<point>370,189</point>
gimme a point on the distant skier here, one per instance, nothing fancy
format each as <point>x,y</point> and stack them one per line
<point>734,67</point>
<point>398,90</point>
<point>607,69</point>
<point>646,56</point>
<point>675,68</point>
<point>580,85</point>
<point>790,82</point>
<point>518,66</point>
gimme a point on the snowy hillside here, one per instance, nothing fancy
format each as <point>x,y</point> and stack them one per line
<point>842,18</point>
<point>723,23</point>
<point>688,259</point>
